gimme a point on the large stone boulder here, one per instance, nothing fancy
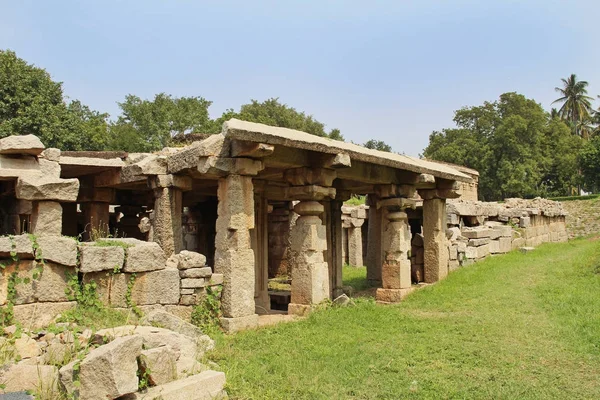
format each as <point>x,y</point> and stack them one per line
<point>21,144</point>
<point>107,372</point>
<point>39,315</point>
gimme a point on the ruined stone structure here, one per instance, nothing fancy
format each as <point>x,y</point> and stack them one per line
<point>235,209</point>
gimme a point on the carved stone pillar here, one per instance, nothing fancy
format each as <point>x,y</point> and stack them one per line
<point>435,242</point>
<point>374,248</point>
<point>396,279</point>
<point>435,257</point>
<point>168,206</point>
<point>234,257</point>
<point>310,271</point>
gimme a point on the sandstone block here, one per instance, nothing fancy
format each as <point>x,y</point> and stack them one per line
<point>144,256</point>
<point>215,279</point>
<point>46,218</point>
<point>193,283</point>
<point>21,244</point>
<point>58,249</point>
<point>160,364</point>
<point>504,244</point>
<point>477,252</point>
<point>476,233</point>
<point>207,385</point>
<point>494,247</point>
<point>100,258</point>
<point>107,372</point>
<point>231,325</point>
<point>524,222</point>
<point>478,242</point>
<point>47,188</point>
<point>154,287</point>
<point>26,347</point>
<point>517,243</point>
<point>49,286</point>
<point>25,377</point>
<point>51,154</point>
<point>21,144</point>
<point>176,324</point>
<point>191,259</point>
<point>453,265</point>
<point>39,315</point>
<point>391,295</point>
<point>204,272</point>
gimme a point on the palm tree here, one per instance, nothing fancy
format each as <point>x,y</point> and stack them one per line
<point>576,104</point>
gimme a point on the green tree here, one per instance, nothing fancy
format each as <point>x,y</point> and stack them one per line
<point>518,149</point>
<point>32,103</point>
<point>378,145</point>
<point>273,112</point>
<point>576,104</point>
<point>589,163</point>
<point>148,125</point>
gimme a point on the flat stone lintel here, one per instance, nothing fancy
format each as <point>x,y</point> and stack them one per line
<point>397,203</point>
<point>231,325</point>
<point>393,190</point>
<point>310,192</point>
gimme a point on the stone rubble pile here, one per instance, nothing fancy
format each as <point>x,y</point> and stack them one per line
<point>125,362</point>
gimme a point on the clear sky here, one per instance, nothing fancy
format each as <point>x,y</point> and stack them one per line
<point>389,70</point>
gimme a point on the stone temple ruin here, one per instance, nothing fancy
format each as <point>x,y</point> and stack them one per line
<point>237,209</point>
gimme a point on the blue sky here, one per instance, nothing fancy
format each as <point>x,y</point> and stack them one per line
<point>389,70</point>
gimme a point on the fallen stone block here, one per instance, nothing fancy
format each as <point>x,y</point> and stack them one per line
<point>21,144</point>
<point>526,250</point>
<point>176,324</point>
<point>207,385</point>
<point>107,372</point>
<point>25,377</point>
<point>342,300</point>
<point>159,365</point>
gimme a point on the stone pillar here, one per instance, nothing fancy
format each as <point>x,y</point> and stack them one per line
<point>168,207</point>
<point>234,257</point>
<point>355,244</point>
<point>434,240</point>
<point>374,248</point>
<point>310,272</point>
<point>260,246</point>
<point>46,218</point>
<point>396,280</point>
<point>335,245</point>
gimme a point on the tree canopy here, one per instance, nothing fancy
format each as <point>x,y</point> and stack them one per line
<point>517,148</point>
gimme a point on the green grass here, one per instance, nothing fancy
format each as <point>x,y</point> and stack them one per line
<point>356,200</point>
<point>571,198</point>
<point>355,277</point>
<point>519,326</point>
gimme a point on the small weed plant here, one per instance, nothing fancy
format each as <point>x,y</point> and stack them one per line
<point>206,314</point>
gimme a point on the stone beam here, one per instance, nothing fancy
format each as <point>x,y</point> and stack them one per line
<point>341,160</point>
<point>376,174</point>
<point>251,149</point>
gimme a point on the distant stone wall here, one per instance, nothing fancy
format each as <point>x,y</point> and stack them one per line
<point>477,229</point>
<point>583,217</point>
<point>126,271</point>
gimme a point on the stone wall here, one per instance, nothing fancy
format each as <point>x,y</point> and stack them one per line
<point>477,229</point>
<point>583,217</point>
<point>127,272</point>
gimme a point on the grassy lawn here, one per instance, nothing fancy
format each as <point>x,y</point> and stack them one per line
<point>513,327</point>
